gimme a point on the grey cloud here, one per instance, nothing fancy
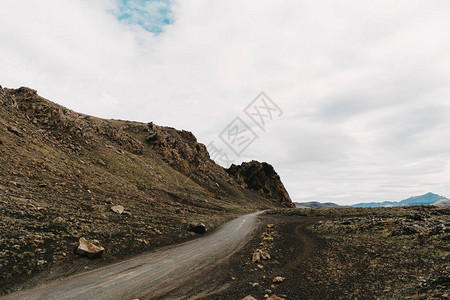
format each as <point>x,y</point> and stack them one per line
<point>364,85</point>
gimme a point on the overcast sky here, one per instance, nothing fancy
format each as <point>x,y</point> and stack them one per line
<point>363,86</point>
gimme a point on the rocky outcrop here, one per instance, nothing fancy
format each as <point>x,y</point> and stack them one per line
<point>261,177</point>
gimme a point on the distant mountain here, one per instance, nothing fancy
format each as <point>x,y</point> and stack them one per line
<point>315,204</point>
<point>442,202</point>
<point>426,199</point>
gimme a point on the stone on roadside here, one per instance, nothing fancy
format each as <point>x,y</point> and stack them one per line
<point>256,256</point>
<point>267,239</point>
<point>265,255</point>
<point>89,249</point>
<point>198,228</point>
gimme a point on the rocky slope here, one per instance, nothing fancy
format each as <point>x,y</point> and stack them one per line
<point>62,172</point>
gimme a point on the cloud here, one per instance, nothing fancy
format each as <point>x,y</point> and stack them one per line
<point>363,85</point>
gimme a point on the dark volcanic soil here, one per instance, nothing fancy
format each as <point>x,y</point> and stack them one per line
<point>374,253</point>
<point>236,278</point>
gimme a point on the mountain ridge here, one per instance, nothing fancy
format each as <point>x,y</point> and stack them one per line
<point>426,199</point>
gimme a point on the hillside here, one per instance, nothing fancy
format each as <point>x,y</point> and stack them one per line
<point>61,173</point>
<point>426,199</point>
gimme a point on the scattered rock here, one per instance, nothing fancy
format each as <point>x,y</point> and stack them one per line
<point>89,249</point>
<point>406,230</point>
<point>14,130</point>
<point>440,228</point>
<point>270,225</point>
<point>278,279</point>
<point>153,137</point>
<point>249,297</point>
<point>59,220</point>
<point>260,254</point>
<point>118,209</point>
<point>256,256</point>
<point>267,239</point>
<point>265,255</point>
<point>417,217</point>
<point>275,297</point>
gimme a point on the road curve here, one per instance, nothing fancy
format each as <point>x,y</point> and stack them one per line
<point>149,275</point>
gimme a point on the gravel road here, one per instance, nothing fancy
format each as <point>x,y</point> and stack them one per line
<point>150,275</point>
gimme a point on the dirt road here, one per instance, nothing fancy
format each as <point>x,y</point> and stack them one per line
<point>150,275</point>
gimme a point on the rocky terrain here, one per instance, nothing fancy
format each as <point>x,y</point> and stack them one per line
<point>374,253</point>
<point>119,187</point>
<point>315,204</point>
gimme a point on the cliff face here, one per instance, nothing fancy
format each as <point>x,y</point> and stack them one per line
<point>61,172</point>
<point>262,178</point>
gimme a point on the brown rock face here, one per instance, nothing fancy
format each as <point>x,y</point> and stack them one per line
<point>261,177</point>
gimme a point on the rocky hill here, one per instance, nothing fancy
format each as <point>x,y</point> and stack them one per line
<point>130,186</point>
<point>262,178</point>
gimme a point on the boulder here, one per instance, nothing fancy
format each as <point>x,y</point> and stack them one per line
<point>90,249</point>
<point>249,297</point>
<point>198,228</point>
<point>118,209</point>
